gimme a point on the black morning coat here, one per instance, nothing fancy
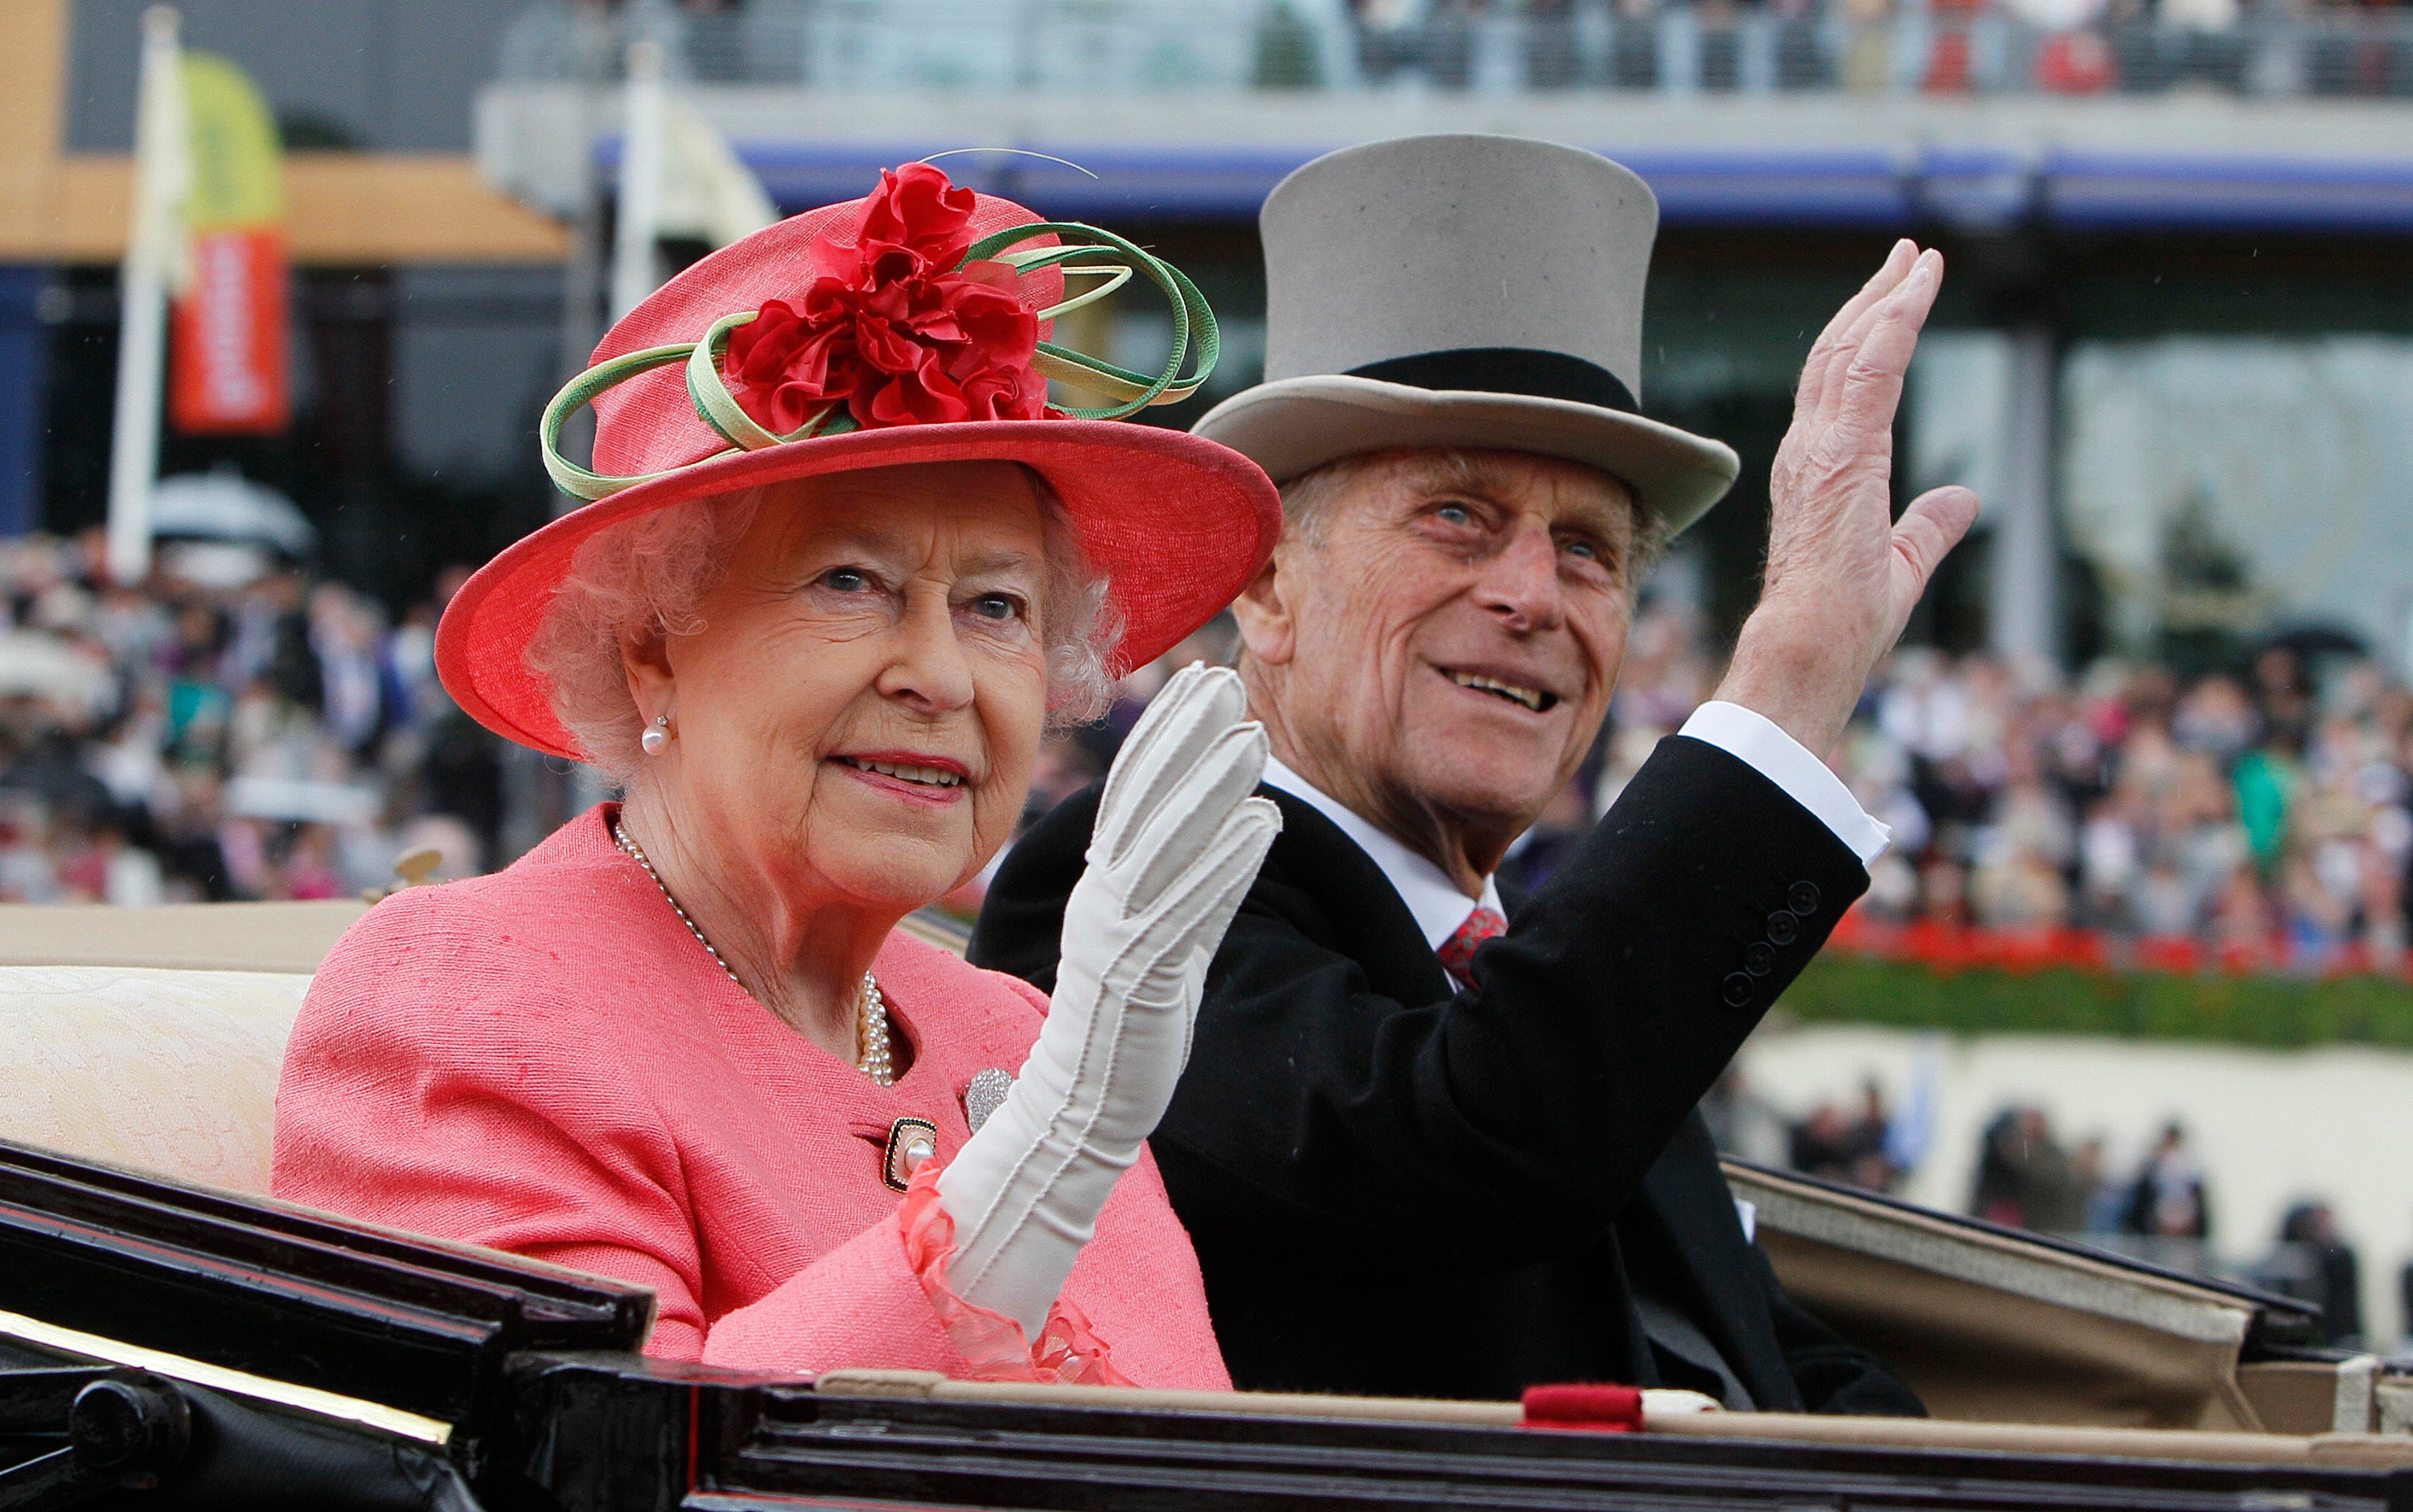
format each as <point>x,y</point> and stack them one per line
<point>1400,1189</point>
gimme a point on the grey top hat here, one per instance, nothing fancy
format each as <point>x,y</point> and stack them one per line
<point>1464,292</point>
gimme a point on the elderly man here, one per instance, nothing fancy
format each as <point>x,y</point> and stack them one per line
<point>1433,1141</point>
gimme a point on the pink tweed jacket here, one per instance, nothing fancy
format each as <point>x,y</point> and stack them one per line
<point>545,1062</point>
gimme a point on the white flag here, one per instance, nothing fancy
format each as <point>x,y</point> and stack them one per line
<point>158,254</point>
<point>159,244</point>
<point>678,177</point>
<point>706,192</point>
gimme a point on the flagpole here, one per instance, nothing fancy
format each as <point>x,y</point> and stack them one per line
<point>142,282</point>
<point>636,270</point>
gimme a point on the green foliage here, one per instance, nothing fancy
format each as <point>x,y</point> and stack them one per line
<point>2268,1012</point>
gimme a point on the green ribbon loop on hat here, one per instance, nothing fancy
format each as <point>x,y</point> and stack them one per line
<point>1192,318</point>
<point>713,404</point>
<point>1193,321</point>
<point>569,476</point>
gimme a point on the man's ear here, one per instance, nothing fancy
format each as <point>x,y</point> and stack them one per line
<point>1268,621</point>
<point>646,660</point>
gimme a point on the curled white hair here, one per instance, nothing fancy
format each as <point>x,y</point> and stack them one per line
<point>649,575</point>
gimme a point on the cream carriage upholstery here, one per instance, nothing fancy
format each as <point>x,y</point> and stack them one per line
<point>151,1037</point>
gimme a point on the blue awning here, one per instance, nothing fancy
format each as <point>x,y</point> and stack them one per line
<point>1864,189</point>
<point>2132,191</point>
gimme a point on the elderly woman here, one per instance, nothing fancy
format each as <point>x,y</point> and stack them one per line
<point>846,567</point>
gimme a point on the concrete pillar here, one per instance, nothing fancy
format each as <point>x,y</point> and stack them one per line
<point>2023,617</point>
<point>1755,67</point>
<point>1679,51</point>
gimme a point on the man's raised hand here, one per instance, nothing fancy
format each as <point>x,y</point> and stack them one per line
<point>1843,576</point>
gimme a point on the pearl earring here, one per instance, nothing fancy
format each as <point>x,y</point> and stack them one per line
<point>657,736</point>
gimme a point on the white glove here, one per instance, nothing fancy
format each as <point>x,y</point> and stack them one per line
<point>1177,842</point>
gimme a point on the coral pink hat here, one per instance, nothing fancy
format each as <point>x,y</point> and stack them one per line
<point>905,327</point>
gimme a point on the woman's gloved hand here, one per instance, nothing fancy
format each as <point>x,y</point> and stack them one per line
<point>1178,843</point>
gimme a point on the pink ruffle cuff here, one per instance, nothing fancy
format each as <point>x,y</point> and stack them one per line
<point>1068,1351</point>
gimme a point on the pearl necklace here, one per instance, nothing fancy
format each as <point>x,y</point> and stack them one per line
<point>871,1009</point>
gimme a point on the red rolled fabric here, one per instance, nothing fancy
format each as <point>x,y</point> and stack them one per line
<point>1598,1409</point>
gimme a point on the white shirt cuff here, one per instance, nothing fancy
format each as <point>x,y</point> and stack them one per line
<point>1753,739</point>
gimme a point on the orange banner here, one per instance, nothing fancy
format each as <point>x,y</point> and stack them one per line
<point>228,372</point>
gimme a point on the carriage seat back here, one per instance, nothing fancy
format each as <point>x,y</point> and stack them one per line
<point>151,1037</point>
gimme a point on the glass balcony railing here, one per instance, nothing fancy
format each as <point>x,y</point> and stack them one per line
<point>1501,47</point>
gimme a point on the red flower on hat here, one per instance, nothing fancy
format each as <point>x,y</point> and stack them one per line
<point>891,326</point>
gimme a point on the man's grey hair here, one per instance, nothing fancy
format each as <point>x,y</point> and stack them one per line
<point>649,575</point>
<point>1307,500</point>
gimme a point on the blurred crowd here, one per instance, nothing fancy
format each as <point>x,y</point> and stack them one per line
<point>264,735</point>
<point>1937,46</point>
<point>2260,816</point>
<point>231,730</point>
<point>1944,47</point>
<point>2255,818</point>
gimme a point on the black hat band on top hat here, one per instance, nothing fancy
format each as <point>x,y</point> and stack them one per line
<point>1519,370</point>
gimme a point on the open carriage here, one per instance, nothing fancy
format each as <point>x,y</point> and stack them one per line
<point>169,1335</point>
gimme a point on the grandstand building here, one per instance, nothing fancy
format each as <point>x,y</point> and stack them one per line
<point>2175,357</point>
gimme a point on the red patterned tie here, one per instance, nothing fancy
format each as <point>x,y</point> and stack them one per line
<point>1458,952</point>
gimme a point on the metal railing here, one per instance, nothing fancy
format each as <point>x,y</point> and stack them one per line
<point>1485,47</point>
